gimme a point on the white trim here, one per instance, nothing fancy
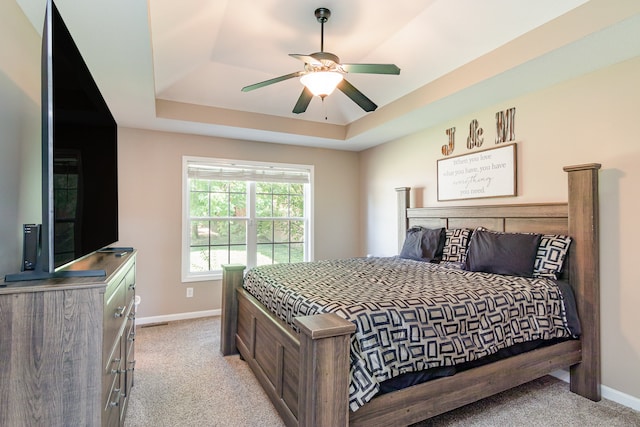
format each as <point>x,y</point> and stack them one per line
<point>607,392</point>
<point>177,316</point>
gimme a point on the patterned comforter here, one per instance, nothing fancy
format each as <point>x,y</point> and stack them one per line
<point>412,315</point>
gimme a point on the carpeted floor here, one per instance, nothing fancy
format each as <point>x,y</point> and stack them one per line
<point>183,380</point>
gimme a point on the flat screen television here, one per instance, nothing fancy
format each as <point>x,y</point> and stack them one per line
<point>79,146</point>
<point>79,159</point>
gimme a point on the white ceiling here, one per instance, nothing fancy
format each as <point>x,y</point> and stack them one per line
<point>179,65</point>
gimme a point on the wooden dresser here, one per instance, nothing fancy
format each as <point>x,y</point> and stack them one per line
<point>67,346</point>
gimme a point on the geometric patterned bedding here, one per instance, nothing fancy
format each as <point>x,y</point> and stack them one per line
<point>412,315</point>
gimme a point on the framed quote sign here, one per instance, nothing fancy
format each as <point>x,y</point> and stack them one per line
<point>486,173</point>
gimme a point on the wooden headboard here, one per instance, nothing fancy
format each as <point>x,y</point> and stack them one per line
<point>577,218</point>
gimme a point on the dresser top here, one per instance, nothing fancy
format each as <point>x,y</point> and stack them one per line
<point>112,262</point>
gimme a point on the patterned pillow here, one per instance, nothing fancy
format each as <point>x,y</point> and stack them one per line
<point>550,257</point>
<point>456,244</point>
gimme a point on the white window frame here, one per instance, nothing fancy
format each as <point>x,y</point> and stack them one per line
<point>187,275</point>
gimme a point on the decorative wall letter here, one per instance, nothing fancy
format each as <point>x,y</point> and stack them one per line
<point>475,138</point>
<point>506,125</point>
<point>448,149</point>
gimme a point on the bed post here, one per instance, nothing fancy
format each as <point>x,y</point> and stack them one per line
<point>232,276</point>
<point>584,274</point>
<point>403,222</point>
<point>323,386</point>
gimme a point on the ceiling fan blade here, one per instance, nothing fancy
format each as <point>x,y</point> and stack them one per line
<point>272,81</point>
<point>303,101</point>
<point>371,68</point>
<point>307,59</point>
<point>356,96</point>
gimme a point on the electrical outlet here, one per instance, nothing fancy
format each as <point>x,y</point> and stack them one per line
<point>189,292</point>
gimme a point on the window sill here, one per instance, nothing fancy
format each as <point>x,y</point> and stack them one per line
<point>202,277</point>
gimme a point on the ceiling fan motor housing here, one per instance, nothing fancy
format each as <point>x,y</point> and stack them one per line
<point>322,14</point>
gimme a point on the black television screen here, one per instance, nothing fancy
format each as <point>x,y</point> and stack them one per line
<point>80,182</point>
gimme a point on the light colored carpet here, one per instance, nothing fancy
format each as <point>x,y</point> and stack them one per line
<point>183,380</point>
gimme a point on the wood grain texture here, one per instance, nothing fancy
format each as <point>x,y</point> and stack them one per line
<point>232,276</point>
<point>585,274</point>
<point>50,342</point>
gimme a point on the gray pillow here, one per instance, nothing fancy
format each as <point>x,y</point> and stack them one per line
<point>423,244</point>
<point>502,253</point>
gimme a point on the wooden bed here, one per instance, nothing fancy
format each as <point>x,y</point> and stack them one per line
<point>306,374</point>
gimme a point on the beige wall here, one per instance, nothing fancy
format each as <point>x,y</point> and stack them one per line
<point>150,201</point>
<point>593,118</point>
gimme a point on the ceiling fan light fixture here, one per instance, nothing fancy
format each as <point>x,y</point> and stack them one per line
<point>321,83</point>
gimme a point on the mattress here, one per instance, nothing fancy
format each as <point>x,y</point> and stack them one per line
<point>411,316</point>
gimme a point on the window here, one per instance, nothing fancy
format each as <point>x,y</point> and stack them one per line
<point>243,213</point>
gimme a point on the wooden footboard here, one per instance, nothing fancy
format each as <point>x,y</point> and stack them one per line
<point>306,374</point>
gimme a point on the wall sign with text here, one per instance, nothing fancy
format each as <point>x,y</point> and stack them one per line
<point>486,173</point>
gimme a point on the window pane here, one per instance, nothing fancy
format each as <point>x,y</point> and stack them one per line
<point>281,253</point>
<point>297,189</point>
<point>296,252</point>
<point>281,231</point>
<point>237,186</point>
<point>263,205</point>
<point>265,254</point>
<point>219,256</point>
<point>199,259</point>
<point>219,186</point>
<point>238,204</point>
<point>199,204</point>
<point>199,185</point>
<point>263,187</point>
<point>238,254</point>
<point>280,188</point>
<point>199,233</point>
<point>265,231</point>
<point>296,206</point>
<point>219,232</point>
<point>219,204</point>
<point>296,231</point>
<point>238,232</point>
<point>280,205</point>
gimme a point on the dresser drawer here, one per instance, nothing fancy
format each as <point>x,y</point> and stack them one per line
<point>115,311</point>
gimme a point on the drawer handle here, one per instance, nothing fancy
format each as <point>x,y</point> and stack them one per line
<point>117,362</point>
<point>119,312</point>
<point>116,402</point>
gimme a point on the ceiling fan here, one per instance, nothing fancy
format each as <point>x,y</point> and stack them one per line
<point>323,72</point>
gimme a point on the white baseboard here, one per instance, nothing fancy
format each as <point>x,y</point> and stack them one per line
<point>607,392</point>
<point>178,316</point>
